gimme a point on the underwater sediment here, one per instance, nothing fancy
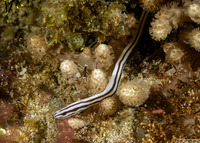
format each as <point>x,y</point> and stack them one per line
<point>55,52</point>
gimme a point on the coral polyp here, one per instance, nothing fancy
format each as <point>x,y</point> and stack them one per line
<point>108,106</point>
<point>194,38</point>
<point>68,68</point>
<point>104,56</point>
<point>194,12</point>
<point>97,80</point>
<point>36,45</point>
<point>131,93</point>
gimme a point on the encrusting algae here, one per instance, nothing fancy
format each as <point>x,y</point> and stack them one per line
<point>54,53</point>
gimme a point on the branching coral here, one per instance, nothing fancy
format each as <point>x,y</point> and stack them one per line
<point>118,128</point>
<point>10,3</point>
<point>20,13</point>
<point>193,12</point>
<point>169,17</point>
<point>175,15</point>
<point>15,134</point>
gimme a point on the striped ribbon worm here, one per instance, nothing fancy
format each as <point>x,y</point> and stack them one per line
<point>112,86</point>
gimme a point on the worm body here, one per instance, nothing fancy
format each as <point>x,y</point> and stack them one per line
<point>112,86</point>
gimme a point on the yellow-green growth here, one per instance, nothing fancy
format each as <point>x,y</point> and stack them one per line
<point>99,18</point>
<point>76,41</point>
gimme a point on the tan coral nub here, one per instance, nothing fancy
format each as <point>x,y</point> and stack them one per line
<point>133,93</point>
<point>37,45</point>
<point>108,106</point>
<point>193,12</point>
<point>174,53</point>
<point>76,123</point>
<point>170,16</point>
<point>68,67</point>
<point>97,80</point>
<point>194,39</point>
<point>104,56</point>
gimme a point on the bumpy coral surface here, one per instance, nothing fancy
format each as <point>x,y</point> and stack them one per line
<point>174,53</point>
<point>68,67</point>
<point>151,5</point>
<point>194,39</point>
<point>108,106</point>
<point>168,18</point>
<point>104,56</point>
<point>132,94</point>
<point>193,12</point>
<point>76,41</point>
<point>37,45</point>
<point>97,80</point>
<point>76,123</point>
